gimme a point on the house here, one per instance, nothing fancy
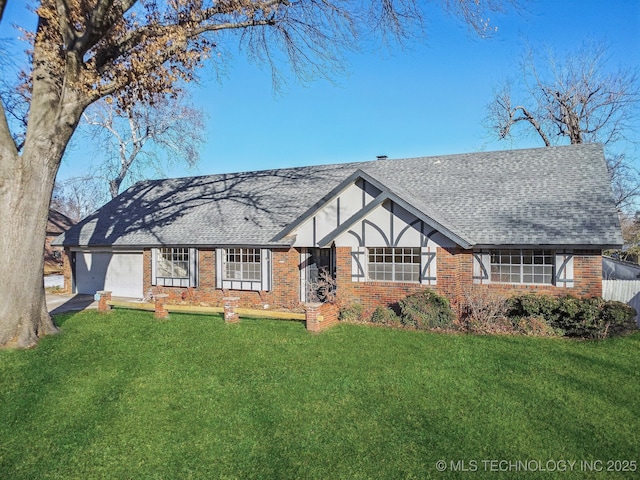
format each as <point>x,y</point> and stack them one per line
<point>615,269</point>
<point>621,282</point>
<point>522,220</point>
<point>56,224</point>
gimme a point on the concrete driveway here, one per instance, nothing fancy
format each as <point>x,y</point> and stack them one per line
<point>60,302</point>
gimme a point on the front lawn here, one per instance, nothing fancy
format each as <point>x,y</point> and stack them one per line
<point>126,396</point>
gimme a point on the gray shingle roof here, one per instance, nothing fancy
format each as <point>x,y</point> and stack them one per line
<point>544,196</point>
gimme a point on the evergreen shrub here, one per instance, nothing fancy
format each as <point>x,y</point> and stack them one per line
<point>426,310</point>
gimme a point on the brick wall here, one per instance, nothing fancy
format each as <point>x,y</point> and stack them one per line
<point>455,271</point>
<point>66,270</point>
<point>369,294</point>
<point>454,274</point>
<point>320,316</point>
<point>587,271</point>
<point>285,292</point>
<point>587,274</point>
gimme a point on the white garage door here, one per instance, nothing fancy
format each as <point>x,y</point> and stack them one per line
<point>119,273</point>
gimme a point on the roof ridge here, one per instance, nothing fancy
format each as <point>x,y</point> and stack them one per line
<point>265,170</point>
<point>357,164</point>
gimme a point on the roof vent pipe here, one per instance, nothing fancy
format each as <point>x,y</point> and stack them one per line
<point>381,157</point>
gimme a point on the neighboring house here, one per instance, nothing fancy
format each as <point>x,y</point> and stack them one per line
<point>621,282</point>
<point>526,220</point>
<point>614,269</point>
<point>56,224</point>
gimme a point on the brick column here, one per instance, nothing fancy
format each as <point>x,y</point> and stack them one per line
<point>313,316</point>
<point>230,305</point>
<point>320,316</point>
<point>103,297</point>
<point>159,300</point>
<point>66,270</point>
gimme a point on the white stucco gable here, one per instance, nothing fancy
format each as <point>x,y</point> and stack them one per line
<point>390,225</point>
<point>373,221</point>
<point>386,226</point>
<point>333,214</point>
<point>363,212</point>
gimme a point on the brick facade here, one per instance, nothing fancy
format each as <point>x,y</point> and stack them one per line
<point>284,294</point>
<point>369,294</point>
<point>454,273</point>
<point>67,271</point>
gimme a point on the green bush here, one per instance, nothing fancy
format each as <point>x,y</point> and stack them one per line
<point>352,313</point>
<point>385,316</point>
<point>580,317</point>
<point>426,310</point>
<point>620,317</point>
<point>573,316</point>
<point>533,305</point>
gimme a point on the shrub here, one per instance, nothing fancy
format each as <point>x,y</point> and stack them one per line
<point>495,326</point>
<point>619,317</point>
<point>580,317</point>
<point>425,310</point>
<point>571,316</point>
<point>536,327</point>
<point>385,316</point>
<point>323,289</point>
<point>532,305</point>
<point>351,313</point>
<point>484,311</point>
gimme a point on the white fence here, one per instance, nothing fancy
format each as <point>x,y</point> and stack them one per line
<point>627,291</point>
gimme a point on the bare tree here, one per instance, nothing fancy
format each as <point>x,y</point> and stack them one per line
<point>130,141</point>
<point>578,100</point>
<point>631,234</point>
<point>132,50</point>
<point>76,198</point>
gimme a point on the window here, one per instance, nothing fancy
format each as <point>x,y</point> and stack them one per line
<point>173,263</point>
<point>243,269</point>
<point>242,264</point>
<point>522,266</point>
<point>394,264</point>
<point>174,267</point>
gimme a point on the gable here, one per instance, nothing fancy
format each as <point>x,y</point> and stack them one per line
<point>390,225</point>
<point>362,214</point>
<point>58,222</point>
<point>333,213</point>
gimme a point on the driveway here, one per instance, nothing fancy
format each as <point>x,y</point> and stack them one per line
<point>60,302</point>
<point>51,281</point>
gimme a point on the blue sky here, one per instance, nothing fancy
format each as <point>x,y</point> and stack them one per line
<point>429,99</point>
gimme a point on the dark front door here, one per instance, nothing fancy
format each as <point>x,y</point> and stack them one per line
<point>321,274</point>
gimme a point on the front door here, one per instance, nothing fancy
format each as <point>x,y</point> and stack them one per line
<point>319,275</point>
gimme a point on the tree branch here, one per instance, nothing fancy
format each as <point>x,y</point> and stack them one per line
<point>531,119</point>
<point>8,147</point>
<point>3,3</point>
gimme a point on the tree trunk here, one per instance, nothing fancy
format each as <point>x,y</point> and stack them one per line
<point>25,193</point>
<point>26,185</point>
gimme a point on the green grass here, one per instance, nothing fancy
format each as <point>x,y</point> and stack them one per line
<point>126,396</point>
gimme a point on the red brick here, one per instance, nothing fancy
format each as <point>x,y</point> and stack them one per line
<point>455,272</point>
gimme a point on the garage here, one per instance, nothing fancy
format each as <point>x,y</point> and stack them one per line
<point>117,272</point>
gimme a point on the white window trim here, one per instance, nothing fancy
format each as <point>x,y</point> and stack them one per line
<point>545,253</point>
<point>264,284</point>
<point>416,251</point>
<point>191,280</point>
<point>243,266</point>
